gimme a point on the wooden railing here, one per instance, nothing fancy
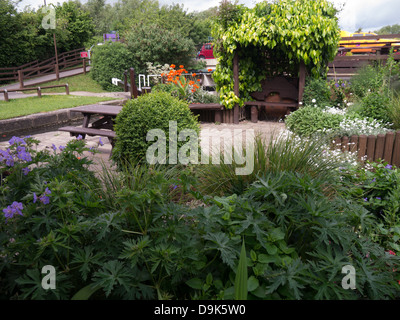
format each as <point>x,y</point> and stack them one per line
<point>363,50</point>
<point>66,60</point>
<point>372,148</point>
<point>38,90</point>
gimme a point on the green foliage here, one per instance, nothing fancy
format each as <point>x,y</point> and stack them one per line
<point>367,79</point>
<point>287,31</point>
<point>25,39</point>
<point>391,29</point>
<point>155,43</point>
<point>78,25</point>
<point>241,276</point>
<point>151,111</point>
<point>283,153</point>
<point>308,120</point>
<point>375,105</point>
<point>138,244</point>
<point>110,61</point>
<point>317,92</point>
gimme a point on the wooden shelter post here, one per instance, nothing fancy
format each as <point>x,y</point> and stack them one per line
<point>236,87</point>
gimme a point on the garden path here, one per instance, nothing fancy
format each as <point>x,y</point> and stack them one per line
<point>265,128</point>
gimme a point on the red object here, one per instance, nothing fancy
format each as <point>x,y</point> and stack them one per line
<point>206,52</point>
<point>84,54</point>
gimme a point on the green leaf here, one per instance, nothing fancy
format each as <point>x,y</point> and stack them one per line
<point>252,284</point>
<point>195,283</point>
<point>241,276</point>
<point>86,292</point>
<point>272,249</point>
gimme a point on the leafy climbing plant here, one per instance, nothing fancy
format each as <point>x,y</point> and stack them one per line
<point>271,38</point>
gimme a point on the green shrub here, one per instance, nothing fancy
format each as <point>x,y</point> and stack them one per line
<point>308,120</point>
<point>368,79</point>
<point>153,43</point>
<point>110,61</point>
<point>139,116</point>
<point>375,105</point>
<point>394,111</point>
<point>318,90</point>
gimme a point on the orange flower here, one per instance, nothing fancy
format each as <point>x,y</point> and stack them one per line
<point>194,74</point>
<point>172,66</point>
<point>198,80</point>
<point>181,67</point>
<point>209,70</point>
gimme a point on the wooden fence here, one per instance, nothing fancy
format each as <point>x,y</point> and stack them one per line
<point>372,148</point>
<point>38,90</point>
<point>363,50</point>
<point>66,60</point>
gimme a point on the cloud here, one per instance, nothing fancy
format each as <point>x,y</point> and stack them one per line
<point>369,15</point>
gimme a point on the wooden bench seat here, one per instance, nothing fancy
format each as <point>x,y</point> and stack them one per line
<point>88,131</point>
<point>75,131</point>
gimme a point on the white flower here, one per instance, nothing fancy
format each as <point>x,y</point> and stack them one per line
<point>313,101</point>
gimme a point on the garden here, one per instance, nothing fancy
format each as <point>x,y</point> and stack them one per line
<point>194,232</point>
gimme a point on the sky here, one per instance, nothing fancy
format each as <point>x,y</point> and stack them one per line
<point>369,15</point>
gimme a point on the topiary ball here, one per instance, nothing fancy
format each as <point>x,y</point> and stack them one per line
<point>150,111</point>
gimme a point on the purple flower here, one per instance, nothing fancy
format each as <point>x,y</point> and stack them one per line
<point>61,148</point>
<point>34,197</point>
<point>379,198</point>
<point>53,146</point>
<point>101,142</point>
<point>13,209</point>
<point>25,171</point>
<point>337,85</point>
<point>16,140</point>
<point>388,166</point>
<point>79,137</point>
<point>44,199</point>
<point>374,180</point>
<point>365,199</point>
<point>23,155</point>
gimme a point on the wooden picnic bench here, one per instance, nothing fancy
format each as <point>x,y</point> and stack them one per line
<point>101,127</point>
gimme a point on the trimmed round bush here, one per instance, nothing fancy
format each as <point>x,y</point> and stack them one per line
<point>147,112</point>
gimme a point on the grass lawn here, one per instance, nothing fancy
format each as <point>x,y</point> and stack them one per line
<point>80,82</point>
<point>25,106</point>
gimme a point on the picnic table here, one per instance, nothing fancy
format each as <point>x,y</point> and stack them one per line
<point>104,126</point>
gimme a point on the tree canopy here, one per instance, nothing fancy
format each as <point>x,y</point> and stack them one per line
<point>24,39</point>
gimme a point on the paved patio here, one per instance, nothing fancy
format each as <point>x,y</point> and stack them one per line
<point>265,128</point>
